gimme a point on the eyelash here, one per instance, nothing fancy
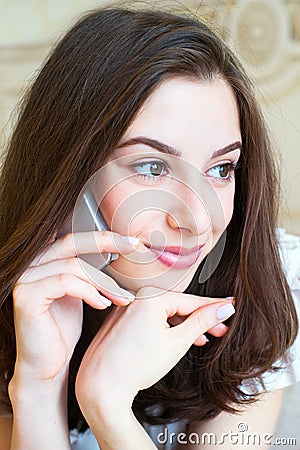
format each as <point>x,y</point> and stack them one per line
<point>153,179</point>
<point>232,167</point>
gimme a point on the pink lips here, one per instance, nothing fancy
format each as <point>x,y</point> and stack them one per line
<point>177,257</point>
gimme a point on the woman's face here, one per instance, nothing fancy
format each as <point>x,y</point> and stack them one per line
<point>170,182</point>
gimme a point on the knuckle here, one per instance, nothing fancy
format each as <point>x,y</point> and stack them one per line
<point>91,289</point>
<point>63,280</point>
<point>88,291</point>
<point>67,240</point>
<point>18,291</point>
<point>20,296</point>
<point>71,264</point>
<point>103,236</point>
<point>201,321</point>
<point>105,233</point>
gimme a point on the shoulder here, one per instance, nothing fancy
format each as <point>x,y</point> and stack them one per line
<point>289,249</point>
<point>257,419</point>
<point>289,369</point>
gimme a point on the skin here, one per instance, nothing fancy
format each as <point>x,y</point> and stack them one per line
<point>48,296</point>
<point>196,204</point>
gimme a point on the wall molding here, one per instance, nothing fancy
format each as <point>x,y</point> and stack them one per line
<point>265,35</point>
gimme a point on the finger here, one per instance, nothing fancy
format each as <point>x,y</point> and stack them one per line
<point>175,303</point>
<point>82,270</point>
<point>202,320</point>
<point>217,331</point>
<point>28,296</point>
<point>74,244</point>
<point>201,340</point>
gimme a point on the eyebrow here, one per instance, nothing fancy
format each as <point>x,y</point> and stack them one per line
<point>164,148</point>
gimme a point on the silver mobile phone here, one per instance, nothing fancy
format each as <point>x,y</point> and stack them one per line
<point>87,217</point>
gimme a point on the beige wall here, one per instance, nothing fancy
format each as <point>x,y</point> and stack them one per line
<point>264,33</point>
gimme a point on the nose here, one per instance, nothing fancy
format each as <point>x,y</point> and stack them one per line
<point>195,210</point>
<point>190,214</point>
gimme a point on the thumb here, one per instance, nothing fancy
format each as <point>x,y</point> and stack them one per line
<point>201,320</point>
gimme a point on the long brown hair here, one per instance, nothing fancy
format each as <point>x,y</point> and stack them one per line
<point>83,100</point>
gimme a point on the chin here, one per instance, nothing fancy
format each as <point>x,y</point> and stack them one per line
<point>169,280</point>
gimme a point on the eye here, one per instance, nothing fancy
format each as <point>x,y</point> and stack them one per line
<point>151,170</point>
<point>223,172</point>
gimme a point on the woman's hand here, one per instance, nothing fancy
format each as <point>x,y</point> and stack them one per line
<point>48,302</point>
<point>136,347</point>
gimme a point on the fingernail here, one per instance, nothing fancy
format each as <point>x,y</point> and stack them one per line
<point>131,240</point>
<point>225,311</point>
<point>127,294</point>
<point>105,300</point>
<point>231,299</point>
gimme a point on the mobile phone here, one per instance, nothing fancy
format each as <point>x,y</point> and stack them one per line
<point>88,217</point>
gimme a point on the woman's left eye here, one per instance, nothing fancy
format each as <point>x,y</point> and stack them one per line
<point>222,172</point>
<point>151,170</point>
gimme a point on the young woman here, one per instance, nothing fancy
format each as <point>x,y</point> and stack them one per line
<point>152,114</point>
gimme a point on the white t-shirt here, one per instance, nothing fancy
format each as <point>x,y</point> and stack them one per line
<point>289,246</point>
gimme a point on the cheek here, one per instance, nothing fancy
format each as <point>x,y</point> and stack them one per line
<point>109,205</point>
<point>117,210</point>
<point>222,214</point>
<point>125,216</point>
<point>228,207</point>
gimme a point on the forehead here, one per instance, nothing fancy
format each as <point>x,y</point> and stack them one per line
<point>189,116</point>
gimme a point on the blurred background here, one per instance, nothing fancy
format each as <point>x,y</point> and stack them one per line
<point>265,35</point>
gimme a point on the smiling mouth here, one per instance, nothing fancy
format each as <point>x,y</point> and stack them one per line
<point>177,257</point>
